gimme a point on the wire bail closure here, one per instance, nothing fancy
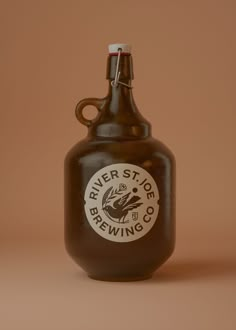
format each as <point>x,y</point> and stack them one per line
<point>116,81</point>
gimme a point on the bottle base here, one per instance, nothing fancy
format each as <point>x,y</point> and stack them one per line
<point>120,279</point>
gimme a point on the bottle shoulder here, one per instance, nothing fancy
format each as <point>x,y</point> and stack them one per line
<point>108,151</point>
<point>77,149</point>
<point>162,147</point>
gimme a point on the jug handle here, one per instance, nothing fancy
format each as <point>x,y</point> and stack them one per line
<point>97,103</point>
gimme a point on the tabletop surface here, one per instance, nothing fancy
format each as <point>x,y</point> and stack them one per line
<point>42,288</point>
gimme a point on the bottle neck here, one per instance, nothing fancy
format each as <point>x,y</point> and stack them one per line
<point>119,115</point>
<point>125,67</point>
<point>120,97</point>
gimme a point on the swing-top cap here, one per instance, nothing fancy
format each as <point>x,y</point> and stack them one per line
<point>114,48</point>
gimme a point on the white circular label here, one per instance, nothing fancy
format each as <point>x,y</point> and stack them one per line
<point>121,202</point>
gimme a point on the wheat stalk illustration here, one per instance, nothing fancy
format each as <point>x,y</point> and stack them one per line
<point>112,193</point>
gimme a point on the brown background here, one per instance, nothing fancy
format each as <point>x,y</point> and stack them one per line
<point>53,53</point>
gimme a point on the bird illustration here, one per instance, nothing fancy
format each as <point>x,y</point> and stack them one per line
<point>121,207</point>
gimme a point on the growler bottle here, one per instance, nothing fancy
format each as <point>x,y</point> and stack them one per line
<point>119,185</point>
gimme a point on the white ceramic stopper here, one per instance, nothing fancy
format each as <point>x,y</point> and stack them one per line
<point>113,48</point>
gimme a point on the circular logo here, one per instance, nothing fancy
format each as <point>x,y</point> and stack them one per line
<point>121,202</point>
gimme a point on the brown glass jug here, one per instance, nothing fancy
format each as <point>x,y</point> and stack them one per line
<point>119,186</point>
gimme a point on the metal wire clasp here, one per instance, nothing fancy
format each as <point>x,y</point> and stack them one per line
<point>116,81</point>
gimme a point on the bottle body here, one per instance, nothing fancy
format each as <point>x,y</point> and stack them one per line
<point>103,258</point>
<point>119,187</point>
